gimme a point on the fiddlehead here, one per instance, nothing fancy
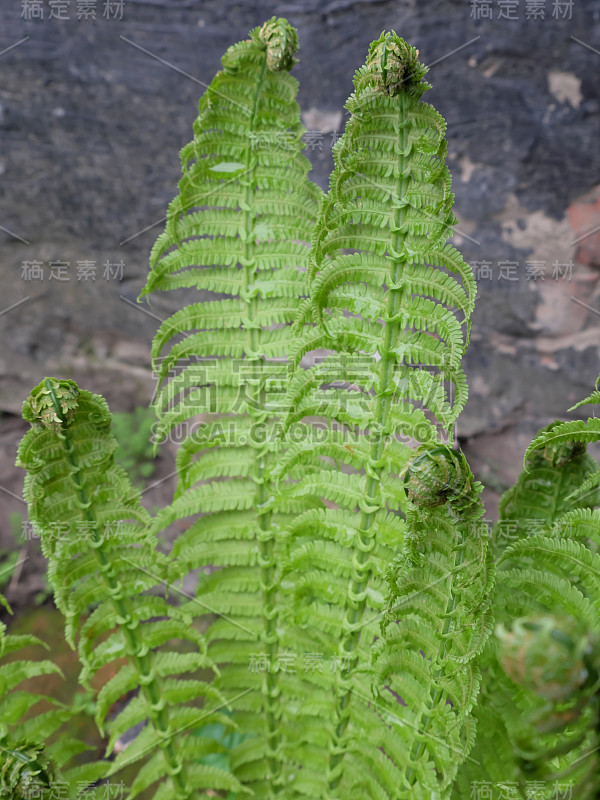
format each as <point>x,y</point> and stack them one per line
<point>548,655</point>
<point>281,42</point>
<point>396,66</point>
<point>436,475</point>
<point>52,403</point>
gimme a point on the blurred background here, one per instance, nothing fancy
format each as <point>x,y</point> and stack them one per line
<point>97,97</point>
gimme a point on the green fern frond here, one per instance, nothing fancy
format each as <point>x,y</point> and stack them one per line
<point>529,741</point>
<point>580,524</point>
<point>547,592</point>
<point>559,476</point>
<point>36,745</point>
<point>25,771</point>
<point>592,399</point>
<point>552,662</point>
<point>436,624</point>
<point>95,534</point>
<point>588,488</point>
<point>492,762</point>
<point>391,302</point>
<point>240,226</point>
<point>566,433</point>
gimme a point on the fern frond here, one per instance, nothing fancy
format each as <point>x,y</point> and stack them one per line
<point>240,226</point>
<point>76,496</point>
<point>559,476</point>
<point>587,488</point>
<point>36,747</point>
<point>592,399</point>
<point>546,607</point>
<point>390,301</point>
<point>552,662</point>
<point>580,524</point>
<point>564,433</point>
<point>436,625</point>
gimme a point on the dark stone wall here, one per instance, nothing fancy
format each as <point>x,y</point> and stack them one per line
<point>93,113</point>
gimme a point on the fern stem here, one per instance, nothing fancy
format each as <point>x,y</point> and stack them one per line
<point>357,594</point>
<point>265,535</point>
<point>138,651</point>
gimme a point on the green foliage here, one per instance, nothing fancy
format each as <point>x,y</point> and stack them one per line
<point>558,477</point>
<point>436,623</point>
<point>25,771</point>
<point>314,367</point>
<point>37,746</point>
<point>226,738</point>
<point>539,703</point>
<point>103,562</point>
<point>244,188</point>
<point>378,252</point>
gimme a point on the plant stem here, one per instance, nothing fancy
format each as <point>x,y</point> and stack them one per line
<point>365,540</point>
<point>265,533</point>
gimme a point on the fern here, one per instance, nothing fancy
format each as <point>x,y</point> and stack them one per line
<point>537,713</point>
<point>559,476</point>
<point>436,624</point>
<point>328,511</point>
<point>95,535</point>
<point>390,299</point>
<point>541,671</point>
<point>256,210</point>
<point>555,735</point>
<point>30,762</point>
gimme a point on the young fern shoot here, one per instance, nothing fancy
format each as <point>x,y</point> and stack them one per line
<point>95,534</point>
<point>436,624</point>
<point>240,228</point>
<point>392,301</point>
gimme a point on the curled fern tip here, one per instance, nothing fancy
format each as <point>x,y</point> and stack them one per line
<point>545,654</point>
<point>396,65</point>
<point>281,42</point>
<point>53,403</point>
<point>438,474</point>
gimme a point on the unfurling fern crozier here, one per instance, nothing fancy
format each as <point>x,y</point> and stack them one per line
<point>391,301</point>
<point>238,232</point>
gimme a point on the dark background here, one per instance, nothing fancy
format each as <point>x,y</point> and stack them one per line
<point>90,131</point>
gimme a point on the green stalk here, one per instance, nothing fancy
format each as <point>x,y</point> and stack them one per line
<point>265,535</point>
